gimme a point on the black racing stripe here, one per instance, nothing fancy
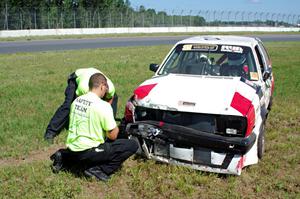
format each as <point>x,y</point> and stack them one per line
<point>264,112</point>
<point>259,92</point>
<point>254,86</point>
<point>227,160</point>
<point>249,83</point>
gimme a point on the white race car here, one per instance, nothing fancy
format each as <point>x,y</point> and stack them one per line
<point>206,106</point>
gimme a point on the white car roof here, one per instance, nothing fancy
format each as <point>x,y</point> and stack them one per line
<point>221,39</point>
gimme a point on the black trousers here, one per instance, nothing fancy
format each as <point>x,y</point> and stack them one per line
<point>108,156</point>
<point>60,119</point>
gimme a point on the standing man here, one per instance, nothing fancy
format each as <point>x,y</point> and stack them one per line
<point>91,122</point>
<point>77,86</point>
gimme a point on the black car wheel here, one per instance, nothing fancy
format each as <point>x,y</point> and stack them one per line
<point>261,142</point>
<point>270,103</point>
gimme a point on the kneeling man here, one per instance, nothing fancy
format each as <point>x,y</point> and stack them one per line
<point>91,141</point>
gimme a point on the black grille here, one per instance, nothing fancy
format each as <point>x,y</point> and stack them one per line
<point>209,123</point>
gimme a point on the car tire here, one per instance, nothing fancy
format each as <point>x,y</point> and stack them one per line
<point>261,142</point>
<point>270,103</point>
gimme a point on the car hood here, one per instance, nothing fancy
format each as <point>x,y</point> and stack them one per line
<point>199,94</point>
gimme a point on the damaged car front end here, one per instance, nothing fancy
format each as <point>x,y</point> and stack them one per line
<point>205,142</point>
<point>195,112</point>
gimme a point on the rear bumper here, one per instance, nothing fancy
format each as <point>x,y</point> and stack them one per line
<point>182,136</point>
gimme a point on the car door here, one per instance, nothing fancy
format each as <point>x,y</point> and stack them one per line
<point>268,64</point>
<point>264,67</point>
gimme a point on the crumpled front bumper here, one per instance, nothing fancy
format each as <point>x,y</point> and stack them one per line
<point>188,147</point>
<point>180,135</point>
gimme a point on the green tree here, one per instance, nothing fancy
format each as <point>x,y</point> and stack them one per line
<point>199,21</point>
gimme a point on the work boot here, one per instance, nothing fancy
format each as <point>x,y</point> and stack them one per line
<point>49,137</point>
<point>97,173</point>
<point>57,162</point>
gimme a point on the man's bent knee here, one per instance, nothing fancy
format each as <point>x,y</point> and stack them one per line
<point>126,145</point>
<point>132,145</point>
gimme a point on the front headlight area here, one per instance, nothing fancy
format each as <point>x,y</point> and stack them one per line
<point>231,125</point>
<point>129,114</point>
<point>227,125</point>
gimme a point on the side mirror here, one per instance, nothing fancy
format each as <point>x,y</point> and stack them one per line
<point>153,67</point>
<point>267,74</point>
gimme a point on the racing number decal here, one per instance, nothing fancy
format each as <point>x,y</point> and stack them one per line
<point>234,49</point>
<point>202,47</point>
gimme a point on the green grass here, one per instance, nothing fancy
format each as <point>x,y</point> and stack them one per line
<point>32,86</point>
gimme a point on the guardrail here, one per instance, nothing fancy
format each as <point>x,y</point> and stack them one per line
<point>100,31</point>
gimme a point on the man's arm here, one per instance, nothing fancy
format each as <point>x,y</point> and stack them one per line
<point>113,134</point>
<point>109,100</point>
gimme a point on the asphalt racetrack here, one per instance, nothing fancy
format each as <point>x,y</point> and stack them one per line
<point>75,44</point>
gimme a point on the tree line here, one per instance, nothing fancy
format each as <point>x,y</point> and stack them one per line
<point>53,14</point>
<point>64,4</point>
<point>46,14</point>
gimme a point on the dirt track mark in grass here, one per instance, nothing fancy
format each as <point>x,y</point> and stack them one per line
<point>39,155</point>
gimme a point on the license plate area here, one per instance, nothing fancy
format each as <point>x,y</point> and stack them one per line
<point>186,154</point>
<point>194,155</point>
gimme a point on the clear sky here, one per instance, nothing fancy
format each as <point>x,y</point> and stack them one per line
<point>176,6</point>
